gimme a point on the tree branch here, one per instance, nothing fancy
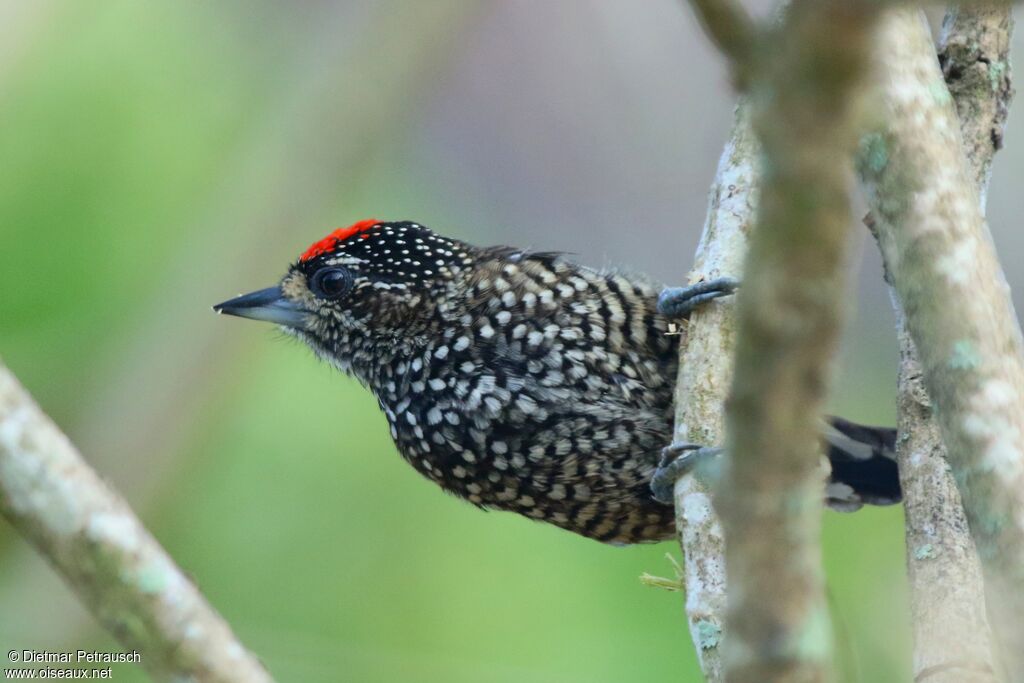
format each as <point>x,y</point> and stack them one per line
<point>951,631</point>
<point>789,318</point>
<point>93,539</point>
<point>939,255</point>
<point>705,372</point>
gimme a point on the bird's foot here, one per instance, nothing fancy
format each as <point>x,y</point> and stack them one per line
<point>678,302</point>
<point>678,459</point>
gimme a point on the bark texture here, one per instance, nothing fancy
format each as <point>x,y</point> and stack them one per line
<point>952,639</point>
<point>974,52</point>
<point>705,373</point>
<point>941,260</point>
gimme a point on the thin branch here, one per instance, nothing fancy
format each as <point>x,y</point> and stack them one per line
<point>951,634</point>
<point>705,372</point>
<point>706,350</point>
<point>770,498</point>
<point>90,536</point>
<point>732,30</point>
<point>940,257</point>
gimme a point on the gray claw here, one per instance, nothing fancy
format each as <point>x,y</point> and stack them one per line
<point>678,302</point>
<point>677,459</point>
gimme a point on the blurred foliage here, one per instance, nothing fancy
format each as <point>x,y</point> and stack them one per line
<point>122,125</point>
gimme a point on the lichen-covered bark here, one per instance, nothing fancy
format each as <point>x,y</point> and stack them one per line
<point>705,373</point>
<point>93,540</point>
<point>789,313</point>
<point>952,638</point>
<point>974,52</point>
<point>940,257</point>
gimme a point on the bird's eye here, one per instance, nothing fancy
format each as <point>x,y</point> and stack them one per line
<point>331,283</point>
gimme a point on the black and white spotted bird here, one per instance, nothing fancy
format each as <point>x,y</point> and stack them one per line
<point>518,380</point>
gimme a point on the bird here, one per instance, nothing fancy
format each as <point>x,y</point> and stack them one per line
<point>521,381</point>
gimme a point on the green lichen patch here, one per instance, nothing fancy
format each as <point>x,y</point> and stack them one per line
<point>964,356</point>
<point>709,634</point>
<point>153,578</point>
<point>940,92</point>
<point>996,74</point>
<point>925,551</point>
<point>874,153</point>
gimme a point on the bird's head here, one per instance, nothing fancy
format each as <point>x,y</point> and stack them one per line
<point>370,285</point>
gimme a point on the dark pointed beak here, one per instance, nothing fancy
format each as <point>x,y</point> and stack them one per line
<point>267,304</point>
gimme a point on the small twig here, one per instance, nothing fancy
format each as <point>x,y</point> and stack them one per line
<point>674,584</point>
<point>940,257</point>
<point>93,539</point>
<point>732,30</point>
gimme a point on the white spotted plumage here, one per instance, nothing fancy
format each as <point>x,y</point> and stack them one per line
<point>516,380</point>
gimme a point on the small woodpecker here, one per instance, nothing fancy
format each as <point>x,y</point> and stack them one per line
<point>520,381</point>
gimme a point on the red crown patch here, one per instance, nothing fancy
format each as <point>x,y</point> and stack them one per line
<point>340,235</point>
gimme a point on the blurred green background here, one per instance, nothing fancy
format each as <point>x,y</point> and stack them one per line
<point>157,157</point>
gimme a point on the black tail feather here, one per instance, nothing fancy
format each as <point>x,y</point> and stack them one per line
<point>863,463</point>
